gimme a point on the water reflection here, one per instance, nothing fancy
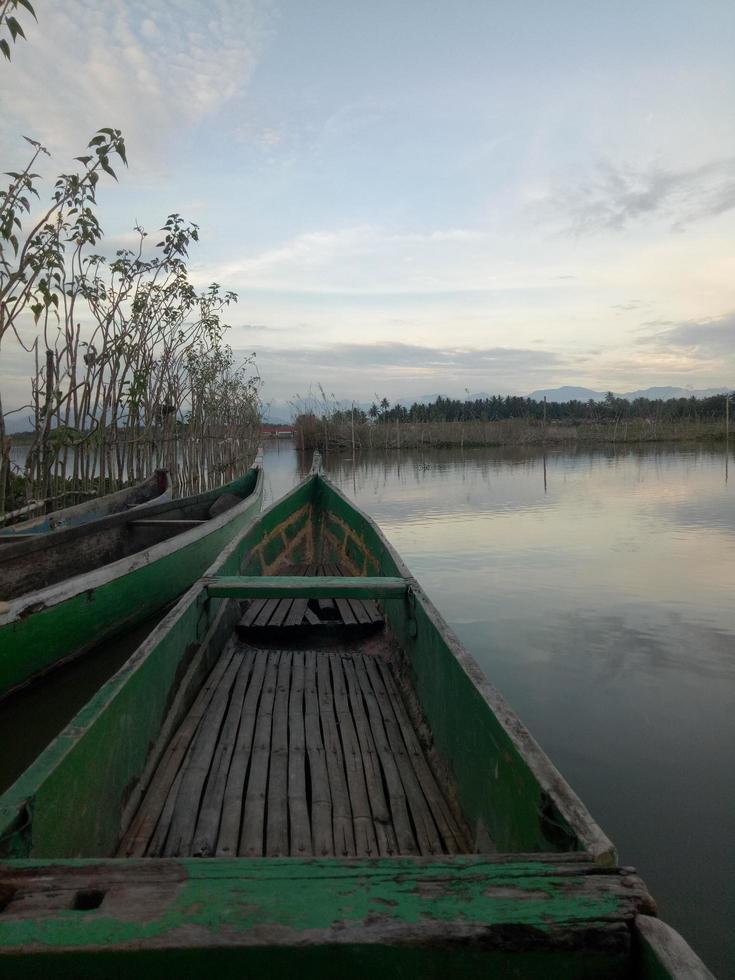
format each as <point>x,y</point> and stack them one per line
<point>595,589</point>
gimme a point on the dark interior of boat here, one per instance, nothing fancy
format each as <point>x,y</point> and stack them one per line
<point>305,740</point>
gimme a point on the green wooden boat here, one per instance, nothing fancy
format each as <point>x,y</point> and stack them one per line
<point>155,489</point>
<point>63,592</point>
<point>301,772</point>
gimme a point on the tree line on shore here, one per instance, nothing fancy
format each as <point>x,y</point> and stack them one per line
<point>505,407</point>
<point>507,420</point>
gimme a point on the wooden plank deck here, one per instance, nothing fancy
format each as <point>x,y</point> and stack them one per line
<point>300,753</point>
<point>288,612</point>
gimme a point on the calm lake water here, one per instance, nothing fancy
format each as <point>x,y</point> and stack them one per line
<point>595,589</point>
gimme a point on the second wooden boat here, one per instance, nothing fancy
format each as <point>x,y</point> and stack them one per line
<point>63,593</point>
<point>156,489</point>
<point>302,773</point>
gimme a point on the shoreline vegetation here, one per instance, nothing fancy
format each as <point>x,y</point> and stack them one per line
<point>128,370</point>
<point>449,423</point>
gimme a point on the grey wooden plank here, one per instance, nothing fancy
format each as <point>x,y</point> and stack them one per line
<point>253,819</point>
<point>158,838</point>
<point>252,612</point>
<point>311,617</point>
<point>281,611</point>
<point>366,844</point>
<point>263,617</point>
<point>446,822</point>
<point>344,836</point>
<point>343,605</point>
<point>427,835</point>
<point>373,610</point>
<point>358,607</point>
<point>183,822</point>
<point>210,813</point>
<point>396,794</point>
<point>384,832</point>
<point>276,836</point>
<point>296,612</point>
<point>298,808</point>
<point>359,611</point>
<point>326,604</point>
<point>284,605</point>
<point>299,606</point>
<point>229,829</point>
<point>321,797</point>
<point>135,841</point>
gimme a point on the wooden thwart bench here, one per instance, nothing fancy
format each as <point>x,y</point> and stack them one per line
<point>316,594</point>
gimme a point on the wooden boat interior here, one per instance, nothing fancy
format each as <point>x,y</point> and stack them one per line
<point>303,741</point>
<point>335,716</point>
<point>37,561</point>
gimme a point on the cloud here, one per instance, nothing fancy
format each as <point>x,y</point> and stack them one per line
<point>398,355</point>
<point>710,338</point>
<point>359,370</point>
<point>372,260</point>
<point>148,70</point>
<point>620,196</point>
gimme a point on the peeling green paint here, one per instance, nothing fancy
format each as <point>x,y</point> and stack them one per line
<point>237,896</point>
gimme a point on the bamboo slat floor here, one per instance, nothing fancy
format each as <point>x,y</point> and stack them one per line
<point>298,753</point>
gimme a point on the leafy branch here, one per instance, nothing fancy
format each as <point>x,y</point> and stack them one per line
<point>9,22</point>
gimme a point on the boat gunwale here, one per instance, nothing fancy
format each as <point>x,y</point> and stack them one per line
<point>10,548</point>
<point>8,532</point>
<point>53,595</point>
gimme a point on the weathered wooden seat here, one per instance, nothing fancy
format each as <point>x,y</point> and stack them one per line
<point>291,611</point>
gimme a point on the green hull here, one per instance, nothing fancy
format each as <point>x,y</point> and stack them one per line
<point>548,902</point>
<point>81,612</point>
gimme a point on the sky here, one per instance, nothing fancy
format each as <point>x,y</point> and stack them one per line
<point>418,196</point>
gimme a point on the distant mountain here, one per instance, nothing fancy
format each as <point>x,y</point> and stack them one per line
<point>567,393</point>
<point>666,393</point>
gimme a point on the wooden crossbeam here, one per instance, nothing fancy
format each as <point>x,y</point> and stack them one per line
<point>299,587</point>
